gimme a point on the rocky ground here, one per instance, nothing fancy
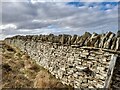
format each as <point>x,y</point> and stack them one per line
<point>19,71</point>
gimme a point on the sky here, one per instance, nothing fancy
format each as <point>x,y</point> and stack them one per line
<point>62,17</point>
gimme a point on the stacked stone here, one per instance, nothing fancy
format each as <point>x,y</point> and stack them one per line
<point>77,67</point>
<point>118,33</point>
<point>106,41</point>
<point>116,76</point>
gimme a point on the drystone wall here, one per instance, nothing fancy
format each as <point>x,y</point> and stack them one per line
<point>116,75</point>
<point>106,41</point>
<point>70,62</point>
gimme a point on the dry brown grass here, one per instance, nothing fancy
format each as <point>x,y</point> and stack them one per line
<point>45,80</point>
<point>20,71</point>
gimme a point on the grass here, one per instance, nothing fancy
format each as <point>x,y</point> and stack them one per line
<point>20,71</point>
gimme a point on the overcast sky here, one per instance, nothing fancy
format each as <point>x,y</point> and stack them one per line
<point>58,17</point>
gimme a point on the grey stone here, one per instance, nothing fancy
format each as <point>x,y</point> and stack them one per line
<point>118,44</point>
<point>97,44</point>
<point>118,33</point>
<point>83,38</point>
<point>113,46</point>
<point>64,39</point>
<point>66,63</point>
<point>84,80</point>
<point>108,43</point>
<point>69,40</point>
<point>73,39</point>
<point>81,68</point>
<point>50,37</point>
<point>102,41</point>
<point>77,40</point>
<point>94,38</point>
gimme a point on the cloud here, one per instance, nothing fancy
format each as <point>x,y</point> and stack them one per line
<point>99,0</point>
<point>50,17</point>
<point>43,1</point>
<point>8,26</point>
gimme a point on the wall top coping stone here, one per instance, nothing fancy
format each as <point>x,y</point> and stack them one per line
<point>108,40</point>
